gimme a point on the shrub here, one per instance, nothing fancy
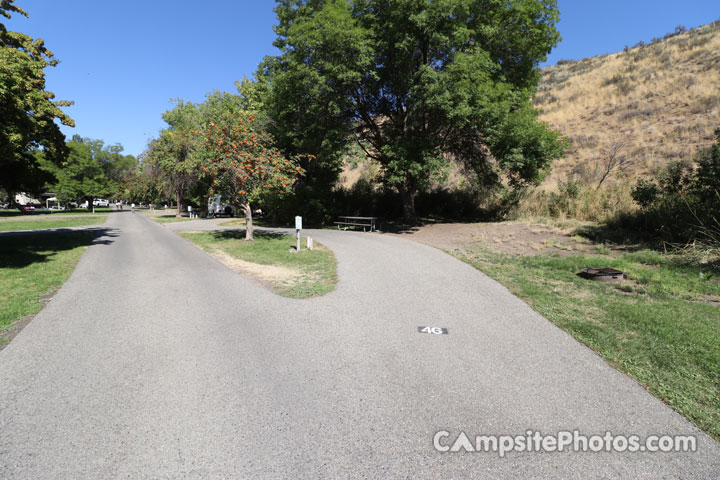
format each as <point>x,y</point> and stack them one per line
<point>545,99</point>
<point>684,204</point>
<point>705,104</point>
<point>578,200</point>
<point>645,192</point>
<point>621,82</point>
<point>614,80</point>
<point>706,182</point>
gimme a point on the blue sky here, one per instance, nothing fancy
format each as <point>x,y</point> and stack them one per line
<point>122,61</point>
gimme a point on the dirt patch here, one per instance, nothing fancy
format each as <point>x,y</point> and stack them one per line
<point>710,300</point>
<point>269,275</point>
<point>521,238</point>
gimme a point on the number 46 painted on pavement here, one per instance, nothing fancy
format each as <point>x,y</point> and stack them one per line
<point>433,330</point>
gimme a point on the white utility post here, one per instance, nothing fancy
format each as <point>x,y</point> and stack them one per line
<point>298,227</point>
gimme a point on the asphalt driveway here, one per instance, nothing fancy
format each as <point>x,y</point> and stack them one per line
<point>155,361</point>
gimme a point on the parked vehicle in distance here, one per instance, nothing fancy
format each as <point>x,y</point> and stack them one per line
<point>27,208</point>
<point>101,202</point>
<point>57,207</point>
<point>216,207</point>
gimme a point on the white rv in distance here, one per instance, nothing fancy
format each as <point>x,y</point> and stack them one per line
<point>217,208</point>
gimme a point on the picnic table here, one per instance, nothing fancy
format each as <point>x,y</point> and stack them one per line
<point>348,221</point>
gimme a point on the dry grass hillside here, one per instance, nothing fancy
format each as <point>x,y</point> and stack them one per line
<point>644,107</point>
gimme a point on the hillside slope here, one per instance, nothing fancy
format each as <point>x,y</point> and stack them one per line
<point>648,105</point>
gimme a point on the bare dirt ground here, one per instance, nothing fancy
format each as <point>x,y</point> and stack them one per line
<point>266,275</point>
<point>517,237</point>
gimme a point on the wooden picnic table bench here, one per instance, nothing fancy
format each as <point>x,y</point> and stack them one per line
<point>348,221</point>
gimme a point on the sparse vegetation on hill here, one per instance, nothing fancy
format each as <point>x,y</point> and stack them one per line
<point>638,109</point>
<point>679,204</point>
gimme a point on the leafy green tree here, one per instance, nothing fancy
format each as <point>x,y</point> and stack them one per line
<point>172,152</point>
<point>241,160</point>
<point>92,170</point>
<point>252,94</point>
<point>144,184</point>
<point>175,156</point>
<point>120,170</point>
<point>27,110</point>
<point>414,80</point>
<point>217,104</point>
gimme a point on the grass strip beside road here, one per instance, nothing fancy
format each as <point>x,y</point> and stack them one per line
<point>236,222</point>
<point>661,326</point>
<point>172,218</point>
<point>31,267</point>
<point>308,273</point>
<point>14,213</point>
<point>47,222</point>
<point>240,222</point>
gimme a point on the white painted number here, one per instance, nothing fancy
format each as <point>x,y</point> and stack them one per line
<point>432,330</point>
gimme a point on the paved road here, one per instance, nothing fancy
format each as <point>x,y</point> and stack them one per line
<point>156,361</point>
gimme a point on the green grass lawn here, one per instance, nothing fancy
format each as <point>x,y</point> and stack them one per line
<point>44,211</point>
<point>172,218</point>
<point>32,266</point>
<point>308,273</point>
<point>661,326</point>
<point>41,222</point>
<point>240,222</point>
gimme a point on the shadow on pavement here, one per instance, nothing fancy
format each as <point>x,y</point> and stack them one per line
<point>20,249</point>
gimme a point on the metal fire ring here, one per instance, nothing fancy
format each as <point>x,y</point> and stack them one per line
<point>603,274</point>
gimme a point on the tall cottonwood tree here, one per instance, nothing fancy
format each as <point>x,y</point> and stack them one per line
<point>412,80</point>
<point>27,111</point>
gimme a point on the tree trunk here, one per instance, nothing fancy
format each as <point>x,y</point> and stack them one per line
<point>178,194</point>
<point>248,222</point>
<point>407,196</point>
